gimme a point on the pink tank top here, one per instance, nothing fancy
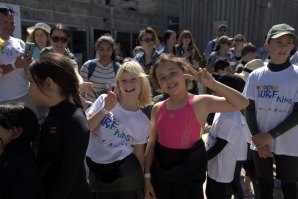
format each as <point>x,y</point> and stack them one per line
<point>178,129</point>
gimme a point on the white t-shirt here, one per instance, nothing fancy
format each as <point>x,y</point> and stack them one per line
<point>230,126</point>
<point>14,84</point>
<point>274,94</point>
<point>114,138</point>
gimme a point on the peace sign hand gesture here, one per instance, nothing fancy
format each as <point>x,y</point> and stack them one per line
<point>201,75</point>
<point>111,99</point>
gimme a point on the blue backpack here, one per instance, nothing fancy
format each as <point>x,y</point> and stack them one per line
<point>93,64</point>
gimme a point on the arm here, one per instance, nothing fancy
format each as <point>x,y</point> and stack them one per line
<point>288,123</point>
<point>95,119</point>
<point>149,153</point>
<point>250,116</point>
<point>230,101</point>
<point>139,151</point>
<point>20,62</point>
<point>216,148</point>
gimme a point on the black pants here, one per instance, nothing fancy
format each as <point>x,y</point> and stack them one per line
<point>250,171</point>
<point>216,190</point>
<point>287,168</point>
<point>236,185</point>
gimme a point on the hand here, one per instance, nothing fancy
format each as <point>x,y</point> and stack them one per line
<point>148,190</point>
<point>261,139</point>
<point>86,86</point>
<point>23,62</point>
<point>201,75</point>
<point>111,100</point>
<point>207,128</point>
<point>264,151</point>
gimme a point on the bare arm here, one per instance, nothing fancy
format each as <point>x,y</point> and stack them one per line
<point>149,153</point>
<point>139,150</point>
<point>110,102</point>
<point>231,99</point>
<point>20,62</point>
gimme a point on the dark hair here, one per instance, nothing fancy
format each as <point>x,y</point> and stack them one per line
<point>230,80</point>
<point>167,58</point>
<point>60,69</point>
<point>220,65</point>
<point>6,11</point>
<point>17,115</point>
<point>166,35</point>
<point>248,48</point>
<point>107,38</point>
<point>61,27</point>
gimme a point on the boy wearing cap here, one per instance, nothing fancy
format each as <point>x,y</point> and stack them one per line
<point>272,114</point>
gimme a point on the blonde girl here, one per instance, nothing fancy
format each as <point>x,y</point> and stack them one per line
<point>120,130</point>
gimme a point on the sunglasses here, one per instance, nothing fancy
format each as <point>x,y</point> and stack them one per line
<point>56,39</point>
<point>147,40</point>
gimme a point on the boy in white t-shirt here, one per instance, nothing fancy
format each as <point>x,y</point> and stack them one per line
<point>272,114</point>
<point>226,144</point>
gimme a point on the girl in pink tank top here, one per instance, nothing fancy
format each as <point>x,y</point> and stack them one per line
<point>175,157</point>
<point>178,129</point>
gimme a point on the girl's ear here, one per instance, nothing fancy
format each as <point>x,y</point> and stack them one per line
<point>48,83</point>
<point>16,132</point>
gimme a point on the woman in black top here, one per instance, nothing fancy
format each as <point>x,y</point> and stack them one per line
<point>65,132</point>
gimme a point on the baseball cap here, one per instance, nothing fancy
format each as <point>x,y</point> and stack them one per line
<point>42,26</point>
<point>280,30</point>
<point>222,26</point>
<point>224,39</point>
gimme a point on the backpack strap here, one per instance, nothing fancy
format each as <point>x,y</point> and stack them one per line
<point>93,64</point>
<point>91,67</point>
<point>116,66</point>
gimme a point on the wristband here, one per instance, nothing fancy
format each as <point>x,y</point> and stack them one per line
<point>147,175</point>
<point>13,66</point>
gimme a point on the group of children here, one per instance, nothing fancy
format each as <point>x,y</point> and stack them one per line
<point>113,133</point>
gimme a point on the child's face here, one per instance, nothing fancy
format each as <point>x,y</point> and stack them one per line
<point>130,85</point>
<point>280,48</point>
<point>105,51</point>
<point>170,78</point>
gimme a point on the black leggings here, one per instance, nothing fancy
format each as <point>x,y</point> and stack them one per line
<point>287,168</point>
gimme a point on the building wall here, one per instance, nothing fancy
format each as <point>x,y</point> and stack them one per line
<point>114,16</point>
<point>252,18</point>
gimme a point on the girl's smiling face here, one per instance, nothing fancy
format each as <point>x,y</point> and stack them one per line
<point>170,78</point>
<point>130,84</point>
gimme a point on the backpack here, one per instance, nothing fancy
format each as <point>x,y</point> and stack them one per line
<point>93,64</point>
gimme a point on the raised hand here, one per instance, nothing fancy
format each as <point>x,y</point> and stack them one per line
<point>201,75</point>
<point>111,100</point>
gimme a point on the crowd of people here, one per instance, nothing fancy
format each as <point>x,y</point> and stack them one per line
<point>132,127</point>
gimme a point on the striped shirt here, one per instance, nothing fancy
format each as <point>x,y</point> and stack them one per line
<point>101,77</point>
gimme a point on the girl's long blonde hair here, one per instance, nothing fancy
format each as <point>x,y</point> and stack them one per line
<point>146,92</point>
